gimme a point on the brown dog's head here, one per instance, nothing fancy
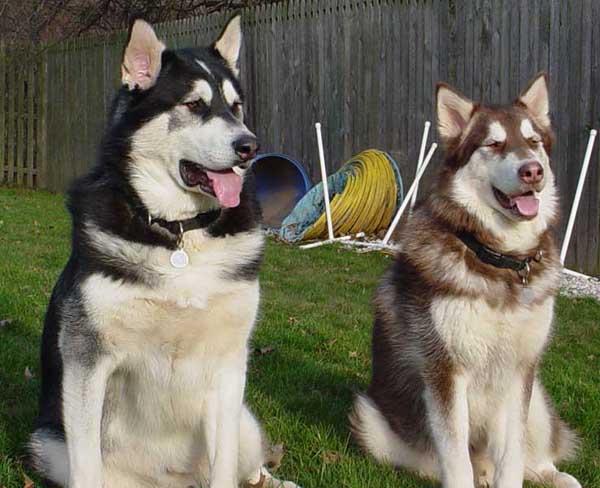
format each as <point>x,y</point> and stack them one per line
<point>498,158</point>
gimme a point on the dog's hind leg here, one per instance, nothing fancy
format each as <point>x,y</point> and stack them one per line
<point>374,434</point>
<point>549,441</point>
<point>252,456</point>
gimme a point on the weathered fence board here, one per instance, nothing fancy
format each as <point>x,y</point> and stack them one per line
<point>20,90</point>
<point>366,69</point>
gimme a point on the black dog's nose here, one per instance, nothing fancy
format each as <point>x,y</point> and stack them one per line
<point>246,147</point>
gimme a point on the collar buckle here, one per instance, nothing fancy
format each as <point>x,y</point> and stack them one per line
<point>524,273</point>
<point>180,236</point>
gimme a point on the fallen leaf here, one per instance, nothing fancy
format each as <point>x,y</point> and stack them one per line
<point>331,342</point>
<point>264,350</point>
<point>330,457</point>
<point>353,354</point>
<point>274,456</point>
<point>293,320</point>
<point>28,374</point>
<point>27,482</point>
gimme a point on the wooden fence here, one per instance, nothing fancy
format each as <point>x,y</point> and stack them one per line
<point>367,70</point>
<point>22,132</point>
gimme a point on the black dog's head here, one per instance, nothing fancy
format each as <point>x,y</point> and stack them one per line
<point>181,114</point>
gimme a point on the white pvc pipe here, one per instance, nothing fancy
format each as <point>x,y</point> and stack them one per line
<point>372,245</point>
<point>409,194</point>
<point>312,245</point>
<point>580,183</point>
<point>575,273</point>
<point>420,160</point>
<point>324,178</point>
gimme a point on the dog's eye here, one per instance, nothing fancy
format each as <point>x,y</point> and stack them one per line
<point>196,105</point>
<point>534,140</point>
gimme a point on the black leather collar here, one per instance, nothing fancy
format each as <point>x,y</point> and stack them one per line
<point>180,227</point>
<point>499,260</point>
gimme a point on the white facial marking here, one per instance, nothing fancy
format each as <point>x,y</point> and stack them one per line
<point>230,93</point>
<point>527,130</point>
<point>496,132</point>
<point>202,90</point>
<point>203,66</point>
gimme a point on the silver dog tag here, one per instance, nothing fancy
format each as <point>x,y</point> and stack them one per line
<point>180,259</point>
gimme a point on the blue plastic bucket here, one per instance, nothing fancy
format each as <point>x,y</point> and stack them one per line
<point>280,182</point>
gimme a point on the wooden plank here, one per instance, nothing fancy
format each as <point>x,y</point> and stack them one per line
<point>575,132</point>
<point>347,81</point>
<point>477,60</point>
<point>524,55</point>
<point>42,113</point>
<point>504,55</point>
<point>31,95</point>
<point>412,121</point>
<point>20,114</point>
<point>419,120</point>
<point>3,110</point>
<point>12,125</point>
<point>486,51</point>
<point>594,172</point>
<point>585,237</point>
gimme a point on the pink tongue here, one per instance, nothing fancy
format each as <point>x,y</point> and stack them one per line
<point>227,187</point>
<point>527,205</point>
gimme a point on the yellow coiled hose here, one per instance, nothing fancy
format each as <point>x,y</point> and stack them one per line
<point>368,201</point>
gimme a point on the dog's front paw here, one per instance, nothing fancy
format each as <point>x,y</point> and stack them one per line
<point>272,482</point>
<point>267,480</point>
<point>565,480</point>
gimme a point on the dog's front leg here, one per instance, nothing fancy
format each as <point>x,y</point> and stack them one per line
<point>230,394</point>
<point>83,389</point>
<point>506,435</point>
<point>448,414</point>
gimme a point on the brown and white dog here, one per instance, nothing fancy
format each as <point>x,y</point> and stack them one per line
<point>464,314</point>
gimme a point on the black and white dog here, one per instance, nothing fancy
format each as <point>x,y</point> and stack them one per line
<point>145,343</point>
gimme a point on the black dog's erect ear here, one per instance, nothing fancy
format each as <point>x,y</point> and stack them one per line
<point>536,99</point>
<point>229,43</point>
<point>142,57</point>
<point>454,111</point>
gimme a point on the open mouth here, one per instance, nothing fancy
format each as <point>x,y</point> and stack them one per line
<point>225,185</point>
<point>525,206</point>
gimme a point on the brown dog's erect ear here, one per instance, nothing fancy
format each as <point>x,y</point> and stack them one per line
<point>536,99</point>
<point>453,112</point>
<point>229,43</point>
<point>142,57</point>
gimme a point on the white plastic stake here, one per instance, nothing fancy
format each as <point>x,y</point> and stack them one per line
<point>409,194</point>
<point>324,178</point>
<point>420,161</point>
<point>312,245</point>
<point>580,183</point>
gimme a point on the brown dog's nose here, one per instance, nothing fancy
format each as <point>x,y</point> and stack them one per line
<point>531,173</point>
<point>246,147</point>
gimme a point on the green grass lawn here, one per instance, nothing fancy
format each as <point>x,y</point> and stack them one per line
<point>314,329</point>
